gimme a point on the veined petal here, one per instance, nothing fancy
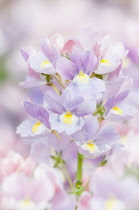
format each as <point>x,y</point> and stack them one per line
<point>77,58</point>
<point>40,63</point>
<point>115,100</point>
<point>31,109</point>
<point>50,52</point>
<point>37,112</point>
<point>66,68</point>
<point>69,101</point>
<point>88,131</point>
<point>90,62</point>
<point>53,102</point>
<point>107,135</point>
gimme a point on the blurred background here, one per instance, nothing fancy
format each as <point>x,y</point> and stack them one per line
<point>25,22</point>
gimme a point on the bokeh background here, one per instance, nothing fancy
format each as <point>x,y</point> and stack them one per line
<point>25,22</point>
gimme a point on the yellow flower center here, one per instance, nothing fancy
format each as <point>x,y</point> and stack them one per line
<point>26,203</point>
<point>45,64</point>
<point>110,204</point>
<point>105,61</point>
<point>81,78</point>
<point>35,127</point>
<point>117,110</point>
<point>114,204</point>
<point>67,118</point>
<point>90,146</point>
<point>123,140</point>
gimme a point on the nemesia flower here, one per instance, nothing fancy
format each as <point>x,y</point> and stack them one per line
<point>128,155</point>
<point>39,63</point>
<point>66,111</point>
<point>116,109</point>
<point>34,79</point>
<point>110,192</point>
<point>113,193</point>
<point>21,190</point>
<point>93,142</point>
<point>110,56</point>
<point>44,62</point>
<point>78,70</point>
<point>37,126</point>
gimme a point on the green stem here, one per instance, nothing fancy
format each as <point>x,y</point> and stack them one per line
<point>79,167</point>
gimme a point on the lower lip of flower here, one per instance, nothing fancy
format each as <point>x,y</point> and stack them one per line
<point>35,127</point>
<point>68,118</point>
<point>116,110</point>
<point>81,78</point>
<point>105,61</point>
<point>45,64</point>
<point>90,146</point>
<point>38,128</point>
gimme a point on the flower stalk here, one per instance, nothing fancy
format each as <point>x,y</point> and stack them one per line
<point>79,167</point>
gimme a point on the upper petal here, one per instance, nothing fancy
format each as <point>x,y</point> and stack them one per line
<point>88,131</point>
<point>53,102</point>
<point>86,108</point>
<point>107,135</point>
<point>66,68</point>
<point>37,112</point>
<point>69,101</point>
<point>89,62</point>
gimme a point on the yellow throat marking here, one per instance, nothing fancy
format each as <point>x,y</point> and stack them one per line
<point>26,203</point>
<point>90,146</point>
<point>68,118</point>
<point>105,61</point>
<point>35,127</point>
<point>110,204</point>
<point>44,64</point>
<point>117,110</point>
<point>83,78</point>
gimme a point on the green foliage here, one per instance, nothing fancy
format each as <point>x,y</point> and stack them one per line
<point>58,159</point>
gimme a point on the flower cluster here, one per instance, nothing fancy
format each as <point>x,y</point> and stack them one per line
<point>78,94</point>
<point>83,87</point>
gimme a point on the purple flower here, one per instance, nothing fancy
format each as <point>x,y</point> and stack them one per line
<point>94,142</point>
<point>44,62</point>
<point>50,51</point>
<point>34,79</point>
<point>78,69</point>
<point>38,191</point>
<point>110,56</point>
<point>111,193</point>
<point>37,126</point>
<point>66,111</point>
<point>117,109</point>
<point>39,62</point>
